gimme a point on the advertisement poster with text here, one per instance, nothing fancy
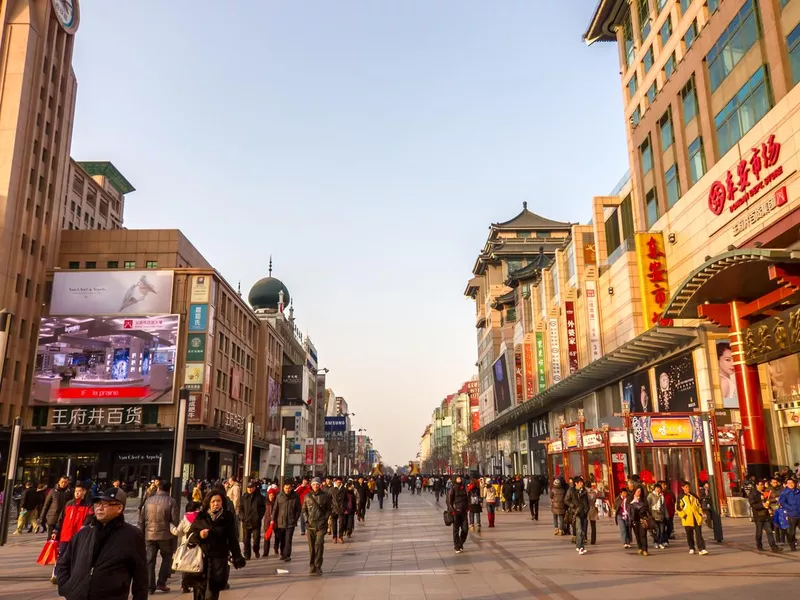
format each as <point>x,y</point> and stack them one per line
<point>126,292</point>
<point>676,386</point>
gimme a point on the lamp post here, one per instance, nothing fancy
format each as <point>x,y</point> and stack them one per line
<point>248,449</point>
<point>11,471</point>
<point>283,455</point>
<point>179,444</point>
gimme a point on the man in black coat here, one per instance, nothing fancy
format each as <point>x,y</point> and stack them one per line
<point>577,499</point>
<point>54,503</point>
<point>106,560</point>
<point>396,486</point>
<point>519,489</point>
<point>361,497</point>
<point>337,494</point>
<point>251,510</point>
<point>380,489</point>
<point>285,514</point>
<point>534,493</point>
<point>458,505</point>
<point>762,517</point>
<point>316,510</point>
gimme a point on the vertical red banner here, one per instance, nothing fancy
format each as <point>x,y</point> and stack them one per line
<point>309,451</point>
<point>476,420</point>
<point>518,374</point>
<point>530,392</point>
<point>572,340</point>
<point>320,451</point>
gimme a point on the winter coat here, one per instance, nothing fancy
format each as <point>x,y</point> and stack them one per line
<point>54,503</point>
<point>251,510</point>
<point>337,499</point>
<point>74,516</point>
<point>396,486</point>
<point>234,494</point>
<point>286,511</point>
<point>159,512</point>
<point>593,512</point>
<point>349,501</point>
<point>519,488</point>
<point>689,510</point>
<point>658,506</point>
<point>790,501</point>
<point>30,499</point>
<point>182,529</point>
<point>578,501</point>
<point>457,499</point>
<point>669,502</point>
<point>197,495</point>
<point>118,571</point>
<point>534,489</point>
<point>269,505</point>
<point>507,490</point>
<point>361,491</point>
<point>316,510</point>
<point>474,492</point>
<point>557,504</point>
<point>380,487</point>
<point>760,512</point>
<point>619,505</point>
<point>640,511</point>
<point>489,494</point>
<point>222,539</point>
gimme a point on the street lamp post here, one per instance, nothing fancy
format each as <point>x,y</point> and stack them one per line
<point>179,444</point>
<point>325,371</point>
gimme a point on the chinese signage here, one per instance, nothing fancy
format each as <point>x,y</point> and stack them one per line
<point>195,409</point>
<point>572,341</point>
<point>193,376</point>
<point>653,277</point>
<point>198,317</point>
<point>593,321</point>
<point>231,421</point>
<point>760,211</point>
<point>555,351</point>
<point>540,361</point>
<point>759,166</point>
<point>201,289</point>
<point>530,390</point>
<point>772,337</point>
<point>518,376</point>
<point>676,388</point>
<point>320,451</point>
<point>675,429</point>
<point>571,437</point>
<point>111,292</point>
<point>309,451</point>
<point>196,347</point>
<point>592,440</point>
<point>101,416</point>
<point>554,446</point>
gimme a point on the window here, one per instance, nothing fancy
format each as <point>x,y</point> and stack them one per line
<point>39,417</point>
<point>665,125</point>
<point>636,116</point>
<point>151,264</point>
<point>666,31</point>
<point>644,17</point>
<point>626,211</point>
<point>732,45</point>
<point>554,276</point>
<point>647,156</point>
<point>685,5</point>
<point>651,207</point>
<point>689,100</point>
<point>632,84</point>
<point>72,206</point>
<point>612,233</point>
<point>690,36</point>
<point>648,59</point>
<point>90,264</point>
<point>130,264</point>
<point>74,264</point>
<point>570,259</point>
<point>523,234</point>
<point>627,33</point>
<point>673,186</point>
<point>78,211</point>
<point>697,160</point>
<point>743,111</point>
<point>651,94</point>
<point>793,45</point>
<point>27,288</point>
<point>112,264</point>
<point>669,66</point>
<point>713,5</point>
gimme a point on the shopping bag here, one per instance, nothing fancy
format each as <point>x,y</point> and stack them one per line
<point>448,518</point>
<point>268,531</point>
<point>188,559</point>
<point>48,554</point>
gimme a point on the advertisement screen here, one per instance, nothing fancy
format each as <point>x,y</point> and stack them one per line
<point>292,384</point>
<point>636,393</point>
<point>502,385</point>
<point>125,292</point>
<point>677,390</point>
<point>105,360</point>
<point>727,378</point>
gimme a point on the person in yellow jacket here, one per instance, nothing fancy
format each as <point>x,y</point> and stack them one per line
<point>690,511</point>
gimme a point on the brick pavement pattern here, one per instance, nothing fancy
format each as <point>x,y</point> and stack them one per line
<point>408,554</point>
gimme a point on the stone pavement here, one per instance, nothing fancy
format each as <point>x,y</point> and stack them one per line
<point>408,554</point>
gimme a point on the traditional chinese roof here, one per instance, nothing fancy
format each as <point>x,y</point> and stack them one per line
<point>473,287</point>
<point>740,274</point>
<point>531,271</point>
<point>642,351</point>
<point>530,220</point>
<point>607,16</point>
<point>509,299</point>
<point>110,172</point>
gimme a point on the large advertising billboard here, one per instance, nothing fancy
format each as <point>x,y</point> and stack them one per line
<point>636,393</point>
<point>502,384</point>
<point>292,384</point>
<point>124,292</point>
<point>105,360</point>
<point>676,386</point>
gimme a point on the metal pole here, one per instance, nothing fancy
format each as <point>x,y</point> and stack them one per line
<point>179,446</point>
<point>330,460</point>
<point>11,471</point>
<point>716,520</point>
<point>249,430</point>
<point>338,465</point>
<point>69,465</point>
<point>283,456</point>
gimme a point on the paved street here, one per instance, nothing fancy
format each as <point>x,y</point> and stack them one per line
<point>408,553</point>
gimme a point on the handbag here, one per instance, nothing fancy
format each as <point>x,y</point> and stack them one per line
<point>188,559</point>
<point>448,518</point>
<point>48,554</point>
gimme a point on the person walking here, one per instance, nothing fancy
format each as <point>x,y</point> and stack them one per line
<point>458,505</point>
<point>159,514</point>
<point>182,533</point>
<point>362,492</point>
<point>594,511</point>
<point>28,503</point>
<point>762,516</point>
<point>234,494</point>
<point>658,511</point>
<point>490,497</point>
<point>557,506</point>
<point>269,505</point>
<point>380,490</point>
<point>252,509</point>
<point>350,509</point>
<point>519,493</point>
<point>475,502</point>
<point>534,489</point>
<point>338,525</point>
<point>285,515</point>
<point>577,501</point>
<point>622,517</point>
<point>395,487</point>
<point>691,514</point>
<point>316,510</point>
<point>301,491</point>
<point>105,560</point>
<point>75,515</point>
<point>55,502</point>
<point>790,501</point>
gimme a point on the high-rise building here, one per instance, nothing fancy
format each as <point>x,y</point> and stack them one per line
<point>37,105</point>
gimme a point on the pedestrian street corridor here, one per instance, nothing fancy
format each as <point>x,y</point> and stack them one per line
<point>408,554</point>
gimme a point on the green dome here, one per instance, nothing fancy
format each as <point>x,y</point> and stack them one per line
<point>265,293</point>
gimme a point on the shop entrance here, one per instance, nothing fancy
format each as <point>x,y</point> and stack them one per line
<point>673,465</point>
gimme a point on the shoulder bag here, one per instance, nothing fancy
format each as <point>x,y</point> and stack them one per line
<point>188,559</point>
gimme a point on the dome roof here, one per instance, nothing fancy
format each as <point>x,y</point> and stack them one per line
<point>265,293</point>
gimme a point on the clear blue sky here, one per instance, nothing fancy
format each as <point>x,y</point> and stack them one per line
<point>365,145</point>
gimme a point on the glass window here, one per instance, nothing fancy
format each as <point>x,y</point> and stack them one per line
<point>697,160</point>
<point>91,264</point>
<point>612,233</point>
<point>632,84</point>
<point>627,32</point>
<point>666,131</point>
<point>554,274</point>
<point>151,264</point>
<point>74,264</point>
<point>647,156</point>
<point>732,45</point>
<point>793,46</point>
<point>689,101</point>
<point>651,207</point>
<point>673,186</point>
<point>130,264</point>
<point>744,110</point>
<point>648,59</point>
<point>636,116</point>
<point>570,259</point>
<point>690,36</point>
<point>685,5</point>
<point>669,66</point>
<point>626,209</point>
<point>112,264</point>
<point>651,94</point>
<point>644,17</point>
<point>666,31</point>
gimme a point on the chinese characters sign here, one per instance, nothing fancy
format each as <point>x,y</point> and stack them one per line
<point>555,351</point>
<point>593,321</point>
<point>653,277</point>
<point>655,430</point>
<point>519,385</point>
<point>529,384</point>
<point>749,178</point>
<point>572,340</point>
<point>760,210</point>
<point>540,361</point>
<point>195,409</point>
<point>79,416</point>
<point>772,337</point>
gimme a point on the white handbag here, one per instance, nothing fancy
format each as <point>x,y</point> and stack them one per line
<point>188,559</point>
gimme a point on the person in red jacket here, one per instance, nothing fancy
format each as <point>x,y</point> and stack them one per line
<point>301,491</point>
<point>73,517</point>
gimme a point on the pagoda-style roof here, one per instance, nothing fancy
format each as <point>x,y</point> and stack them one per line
<point>527,220</point>
<point>509,299</point>
<point>531,271</point>
<point>110,172</point>
<point>607,16</point>
<point>473,287</point>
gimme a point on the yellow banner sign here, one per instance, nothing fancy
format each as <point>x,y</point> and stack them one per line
<point>651,260</point>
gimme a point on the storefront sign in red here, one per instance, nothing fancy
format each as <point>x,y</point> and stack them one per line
<point>653,277</point>
<point>320,451</point>
<point>520,388</point>
<point>102,393</point>
<point>530,390</point>
<point>309,451</point>
<point>751,177</point>
<point>572,340</point>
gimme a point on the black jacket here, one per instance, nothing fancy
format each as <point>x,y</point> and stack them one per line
<point>337,499</point>
<point>286,511</point>
<point>519,488</point>
<point>508,489</point>
<point>317,509</point>
<point>251,509</point>
<point>578,501</point>
<point>534,488</point>
<point>222,536</point>
<point>118,570</point>
<point>760,512</point>
<point>54,503</point>
<point>30,499</point>
<point>361,490</point>
<point>639,511</point>
<point>457,499</point>
<point>380,487</point>
<point>396,486</point>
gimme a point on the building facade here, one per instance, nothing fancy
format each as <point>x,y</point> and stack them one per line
<point>94,196</point>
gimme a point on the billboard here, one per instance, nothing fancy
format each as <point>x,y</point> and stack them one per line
<point>727,377</point>
<point>502,384</point>
<point>292,384</point>
<point>105,360</point>
<point>273,405</point>
<point>636,393</point>
<point>125,292</point>
<point>676,386</point>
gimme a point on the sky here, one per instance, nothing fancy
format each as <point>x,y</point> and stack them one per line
<point>366,146</point>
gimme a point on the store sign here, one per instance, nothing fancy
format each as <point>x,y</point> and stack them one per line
<point>309,460</point>
<point>553,447</point>
<point>650,257</point>
<point>102,393</point>
<point>201,289</point>
<point>144,324</point>
<point>196,347</point>
<point>193,376</point>
<point>540,361</point>
<point>592,440</point>
<point>518,376</point>
<point>128,292</point>
<point>538,428</point>
<point>792,418</point>
<point>195,409</point>
<point>749,179</point>
<point>672,429</point>
<point>593,321</point>
<point>137,457</point>
<point>572,340</point>
<point>772,337</point>
<point>760,211</point>
<point>231,421</point>
<point>555,351</point>
<point>320,451</point>
<point>80,416</point>
<point>198,317</point>
<point>571,437</point>
<point>530,386</point>
<point>618,438</point>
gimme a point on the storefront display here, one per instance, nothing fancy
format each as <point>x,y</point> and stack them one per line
<point>676,386</point>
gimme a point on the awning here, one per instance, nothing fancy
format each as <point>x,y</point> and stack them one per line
<point>741,274</point>
<point>640,352</point>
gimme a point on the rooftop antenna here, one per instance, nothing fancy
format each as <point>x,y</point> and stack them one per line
<point>270,265</point>
<point>524,205</point>
<point>239,289</point>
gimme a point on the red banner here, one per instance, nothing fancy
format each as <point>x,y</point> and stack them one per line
<point>309,451</point>
<point>518,374</point>
<point>529,383</point>
<point>476,420</point>
<point>100,393</point>
<point>320,451</point>
<point>572,340</point>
